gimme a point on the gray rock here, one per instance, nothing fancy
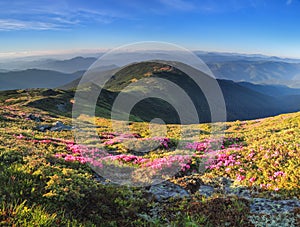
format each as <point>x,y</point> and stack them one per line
<point>43,128</point>
<point>34,118</point>
<point>268,206</point>
<point>166,190</point>
<point>56,127</point>
<point>206,190</point>
<point>257,205</point>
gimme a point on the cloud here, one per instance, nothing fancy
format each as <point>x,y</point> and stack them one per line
<point>101,16</point>
<point>11,24</point>
<point>51,53</point>
<point>288,2</point>
<point>51,17</point>
<point>211,6</point>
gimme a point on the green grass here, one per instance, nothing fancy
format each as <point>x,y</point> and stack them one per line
<point>38,189</point>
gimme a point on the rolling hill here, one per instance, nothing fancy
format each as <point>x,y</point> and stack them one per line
<point>271,90</point>
<point>241,102</point>
<point>259,72</point>
<point>65,66</point>
<point>35,78</point>
<point>47,179</point>
<point>258,69</point>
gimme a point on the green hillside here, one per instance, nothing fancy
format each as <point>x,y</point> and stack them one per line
<point>35,78</point>
<point>242,103</point>
<point>47,181</point>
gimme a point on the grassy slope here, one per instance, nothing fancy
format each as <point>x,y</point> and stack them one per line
<point>241,102</point>
<point>39,189</point>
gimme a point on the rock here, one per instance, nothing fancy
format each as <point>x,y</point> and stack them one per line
<point>242,192</point>
<point>59,126</point>
<point>206,190</point>
<point>224,181</point>
<point>190,183</point>
<point>43,128</point>
<point>258,206</point>
<point>268,206</point>
<point>34,118</point>
<point>166,190</point>
<point>56,127</point>
<point>102,180</point>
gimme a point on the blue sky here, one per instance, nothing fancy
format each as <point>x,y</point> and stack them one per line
<point>270,27</point>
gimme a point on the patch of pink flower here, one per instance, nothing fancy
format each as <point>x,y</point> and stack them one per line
<point>225,159</point>
<point>252,179</point>
<point>20,136</point>
<point>166,162</point>
<point>209,145</point>
<point>84,154</point>
<point>240,177</point>
<point>279,174</point>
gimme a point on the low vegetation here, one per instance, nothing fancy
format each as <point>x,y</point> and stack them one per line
<point>47,179</point>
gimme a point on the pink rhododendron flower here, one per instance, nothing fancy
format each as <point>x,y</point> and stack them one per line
<point>58,155</point>
<point>70,158</point>
<point>240,177</point>
<point>278,173</point>
<point>252,179</point>
<point>20,136</point>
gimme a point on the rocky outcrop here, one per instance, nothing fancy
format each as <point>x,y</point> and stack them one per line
<point>55,127</point>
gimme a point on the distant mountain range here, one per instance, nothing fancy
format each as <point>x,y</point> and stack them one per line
<point>243,100</point>
<point>271,90</point>
<point>225,57</point>
<point>35,78</point>
<point>259,72</point>
<point>257,69</point>
<point>65,66</point>
<point>240,75</point>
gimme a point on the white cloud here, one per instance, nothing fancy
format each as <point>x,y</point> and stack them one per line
<point>50,53</point>
<point>211,6</point>
<point>51,17</point>
<point>11,24</point>
<point>288,2</point>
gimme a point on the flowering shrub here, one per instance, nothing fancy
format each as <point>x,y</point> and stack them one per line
<point>215,144</point>
<point>51,172</point>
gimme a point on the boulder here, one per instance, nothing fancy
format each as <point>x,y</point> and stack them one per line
<point>56,127</point>
<point>34,118</point>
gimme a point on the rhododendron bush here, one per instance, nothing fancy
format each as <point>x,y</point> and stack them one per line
<point>49,179</point>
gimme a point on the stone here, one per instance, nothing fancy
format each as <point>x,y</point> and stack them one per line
<point>56,127</point>
<point>43,128</point>
<point>34,118</point>
<point>166,190</point>
<point>59,126</point>
<point>268,206</point>
<point>206,190</point>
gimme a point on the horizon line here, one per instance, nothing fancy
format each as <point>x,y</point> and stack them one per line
<point>85,51</point>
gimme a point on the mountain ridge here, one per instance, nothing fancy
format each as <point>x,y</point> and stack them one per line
<point>35,78</point>
<point>238,67</point>
<point>242,103</point>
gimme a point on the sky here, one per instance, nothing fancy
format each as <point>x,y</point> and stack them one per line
<point>32,27</point>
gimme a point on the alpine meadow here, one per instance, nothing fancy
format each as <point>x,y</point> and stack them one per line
<point>158,113</point>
